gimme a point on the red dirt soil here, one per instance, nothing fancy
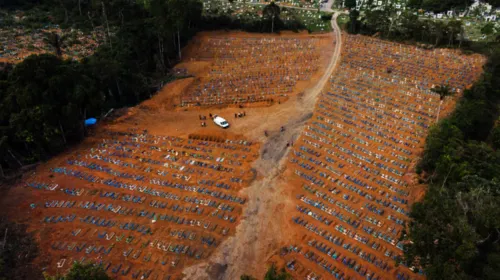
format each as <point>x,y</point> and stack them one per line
<point>175,150</point>
<point>314,192</point>
<point>350,176</point>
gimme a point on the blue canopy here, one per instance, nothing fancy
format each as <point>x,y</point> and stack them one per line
<point>91,121</point>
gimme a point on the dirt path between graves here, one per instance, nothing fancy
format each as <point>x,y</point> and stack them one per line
<point>264,229</point>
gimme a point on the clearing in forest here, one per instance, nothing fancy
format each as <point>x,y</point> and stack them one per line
<point>317,179</point>
<point>152,191</point>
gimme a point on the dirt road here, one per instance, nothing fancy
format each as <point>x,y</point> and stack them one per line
<point>262,230</point>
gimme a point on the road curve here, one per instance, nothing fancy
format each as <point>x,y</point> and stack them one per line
<point>334,61</point>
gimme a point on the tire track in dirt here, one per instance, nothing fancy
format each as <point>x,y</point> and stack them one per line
<point>261,231</point>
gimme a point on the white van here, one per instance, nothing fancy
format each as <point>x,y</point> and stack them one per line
<point>221,121</point>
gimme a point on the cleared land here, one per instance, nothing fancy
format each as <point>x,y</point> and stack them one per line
<point>152,191</point>
<point>317,176</point>
<point>252,69</point>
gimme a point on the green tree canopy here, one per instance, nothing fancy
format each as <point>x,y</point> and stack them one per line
<point>350,4</point>
<point>439,5</point>
<point>353,23</point>
<point>488,28</point>
<point>81,271</point>
<point>45,99</point>
<point>56,41</point>
<point>494,3</point>
<point>495,136</point>
<point>18,252</point>
<point>272,11</point>
<point>455,230</point>
<point>273,274</point>
<point>443,91</point>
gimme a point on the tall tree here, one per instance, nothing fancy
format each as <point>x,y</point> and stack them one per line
<point>494,3</point>
<point>57,41</point>
<point>272,11</point>
<point>18,252</point>
<point>377,20</point>
<point>455,28</point>
<point>181,13</point>
<point>442,90</point>
<point>350,4</point>
<point>3,153</point>
<point>495,135</point>
<point>438,30</point>
<point>439,5</point>
<point>353,16</point>
<point>488,29</point>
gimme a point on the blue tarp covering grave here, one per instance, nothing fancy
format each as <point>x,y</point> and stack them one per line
<point>91,121</point>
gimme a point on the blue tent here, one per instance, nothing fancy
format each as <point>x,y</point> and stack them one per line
<point>91,121</point>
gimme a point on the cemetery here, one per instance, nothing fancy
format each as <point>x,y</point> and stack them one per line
<point>142,205</point>
<point>18,43</point>
<point>153,192</point>
<point>251,69</point>
<point>161,187</point>
<point>349,169</point>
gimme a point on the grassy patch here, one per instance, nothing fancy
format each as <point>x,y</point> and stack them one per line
<point>342,20</point>
<point>472,30</point>
<point>313,21</point>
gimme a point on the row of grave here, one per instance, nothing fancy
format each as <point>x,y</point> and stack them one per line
<point>368,127</point>
<point>109,189</point>
<point>249,70</point>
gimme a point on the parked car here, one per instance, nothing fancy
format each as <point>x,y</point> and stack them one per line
<point>221,121</point>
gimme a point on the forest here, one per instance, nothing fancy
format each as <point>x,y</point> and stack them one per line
<point>446,5</point>
<point>455,230</point>
<point>45,99</point>
<point>439,6</point>
<point>407,27</point>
